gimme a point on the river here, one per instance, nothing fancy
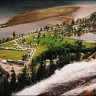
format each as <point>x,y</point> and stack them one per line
<point>85,10</point>
<point>71,80</point>
<point>87,37</point>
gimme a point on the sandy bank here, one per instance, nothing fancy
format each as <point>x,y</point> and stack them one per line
<point>41,15</point>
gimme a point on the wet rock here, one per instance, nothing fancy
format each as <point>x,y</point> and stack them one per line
<point>88,93</point>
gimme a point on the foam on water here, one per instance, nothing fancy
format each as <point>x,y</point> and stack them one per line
<point>71,72</point>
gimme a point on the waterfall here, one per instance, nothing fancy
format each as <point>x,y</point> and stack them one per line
<point>70,80</point>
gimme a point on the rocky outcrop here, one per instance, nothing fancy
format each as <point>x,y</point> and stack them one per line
<point>88,93</point>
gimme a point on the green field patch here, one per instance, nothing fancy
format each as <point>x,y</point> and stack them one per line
<point>26,41</point>
<point>47,39</point>
<point>11,54</point>
<point>9,44</point>
<point>39,50</point>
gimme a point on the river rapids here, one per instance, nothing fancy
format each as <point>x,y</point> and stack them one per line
<point>70,80</point>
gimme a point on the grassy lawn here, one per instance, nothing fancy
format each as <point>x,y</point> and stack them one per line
<point>27,40</point>
<point>44,42</point>
<point>9,44</point>
<point>10,54</point>
<point>39,49</point>
<point>55,40</point>
<point>49,40</point>
<point>89,45</point>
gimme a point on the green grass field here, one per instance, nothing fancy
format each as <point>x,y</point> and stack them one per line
<point>39,49</point>
<point>27,40</point>
<point>9,44</point>
<point>10,54</point>
<point>49,40</point>
<point>58,40</point>
<point>44,43</point>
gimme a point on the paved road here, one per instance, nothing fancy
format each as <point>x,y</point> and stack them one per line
<point>33,50</point>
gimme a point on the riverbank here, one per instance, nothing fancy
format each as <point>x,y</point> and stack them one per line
<point>41,15</point>
<point>33,26</point>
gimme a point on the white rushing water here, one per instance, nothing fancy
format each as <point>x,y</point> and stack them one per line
<point>77,74</point>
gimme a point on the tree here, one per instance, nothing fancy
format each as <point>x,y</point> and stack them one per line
<point>3,40</point>
<point>39,34</point>
<point>23,79</point>
<point>33,74</point>
<point>52,68</point>
<point>64,23</point>
<point>8,39</point>
<point>22,34</point>
<point>0,41</point>
<point>72,22</point>
<point>13,81</point>
<point>23,40</point>
<point>14,34</point>
<point>41,71</point>
<point>38,42</point>
<point>6,88</point>
<point>41,29</point>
